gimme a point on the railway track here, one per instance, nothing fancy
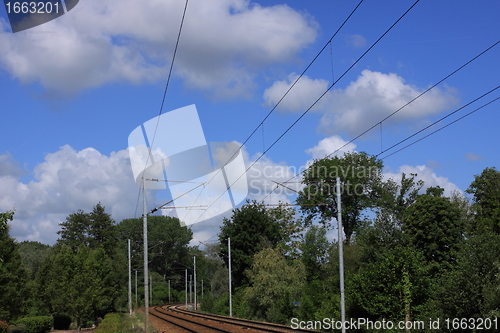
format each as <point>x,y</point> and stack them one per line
<point>188,321</point>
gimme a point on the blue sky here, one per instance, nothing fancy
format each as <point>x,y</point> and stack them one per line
<point>73,89</point>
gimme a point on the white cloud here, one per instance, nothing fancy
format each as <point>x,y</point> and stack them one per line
<point>375,95</point>
<point>427,174</point>
<point>329,145</point>
<point>305,92</point>
<point>473,157</point>
<point>66,181</point>
<point>356,41</point>
<point>223,44</point>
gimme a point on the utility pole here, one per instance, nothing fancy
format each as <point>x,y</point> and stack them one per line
<point>136,290</point>
<point>151,289</point>
<point>195,305</point>
<point>186,289</point>
<point>146,278</point>
<point>191,289</point>
<point>129,281</point>
<point>230,289</point>
<point>341,256</point>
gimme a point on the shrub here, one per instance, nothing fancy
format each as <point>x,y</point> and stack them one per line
<point>19,328</point>
<point>40,324</point>
<point>110,324</point>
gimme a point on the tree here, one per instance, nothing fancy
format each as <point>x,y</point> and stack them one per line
<point>314,252</point>
<point>13,275</point>
<point>394,199</point>
<point>275,285</point>
<point>168,243</point>
<point>360,176</point>
<point>80,284</point>
<point>251,228</point>
<point>94,229</point>
<point>485,190</point>
<point>434,225</point>
<point>33,255</point>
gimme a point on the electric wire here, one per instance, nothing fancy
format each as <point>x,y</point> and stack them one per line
<point>164,94</point>
<point>261,124</point>
<point>415,98</point>
<point>317,100</point>
<point>405,105</point>
<point>439,120</point>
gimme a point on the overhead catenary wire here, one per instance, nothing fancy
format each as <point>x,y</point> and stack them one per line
<point>415,98</point>
<point>402,107</point>
<point>261,124</point>
<point>316,101</point>
<point>439,129</point>
<point>165,91</point>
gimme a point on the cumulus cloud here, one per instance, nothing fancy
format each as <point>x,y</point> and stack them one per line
<point>223,44</point>
<point>66,181</point>
<point>375,95</point>
<point>305,92</point>
<point>427,174</point>
<point>329,145</point>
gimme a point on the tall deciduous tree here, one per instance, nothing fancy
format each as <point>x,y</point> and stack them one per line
<point>276,284</point>
<point>434,225</point>
<point>360,176</point>
<point>485,190</point>
<point>168,243</point>
<point>251,228</point>
<point>80,284</point>
<point>13,275</point>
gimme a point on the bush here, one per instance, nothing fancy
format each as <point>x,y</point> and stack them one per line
<point>110,324</point>
<point>19,328</point>
<point>3,326</point>
<point>40,324</point>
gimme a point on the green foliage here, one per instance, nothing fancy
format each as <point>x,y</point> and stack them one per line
<point>314,250</point>
<point>33,254</point>
<point>93,230</point>
<point>275,285</point>
<point>168,241</point>
<point>81,284</point>
<point>434,226</point>
<point>19,328</point>
<point>360,177</point>
<point>485,190</point>
<point>252,228</point>
<point>13,275</point>
<point>40,324</point>
<point>110,324</point>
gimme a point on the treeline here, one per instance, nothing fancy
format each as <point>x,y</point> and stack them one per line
<point>85,274</point>
<point>410,256</point>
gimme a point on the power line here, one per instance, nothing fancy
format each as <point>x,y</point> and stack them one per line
<point>317,100</point>
<point>261,124</point>
<point>405,105</point>
<point>165,92</point>
<point>439,129</point>
<point>418,96</point>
